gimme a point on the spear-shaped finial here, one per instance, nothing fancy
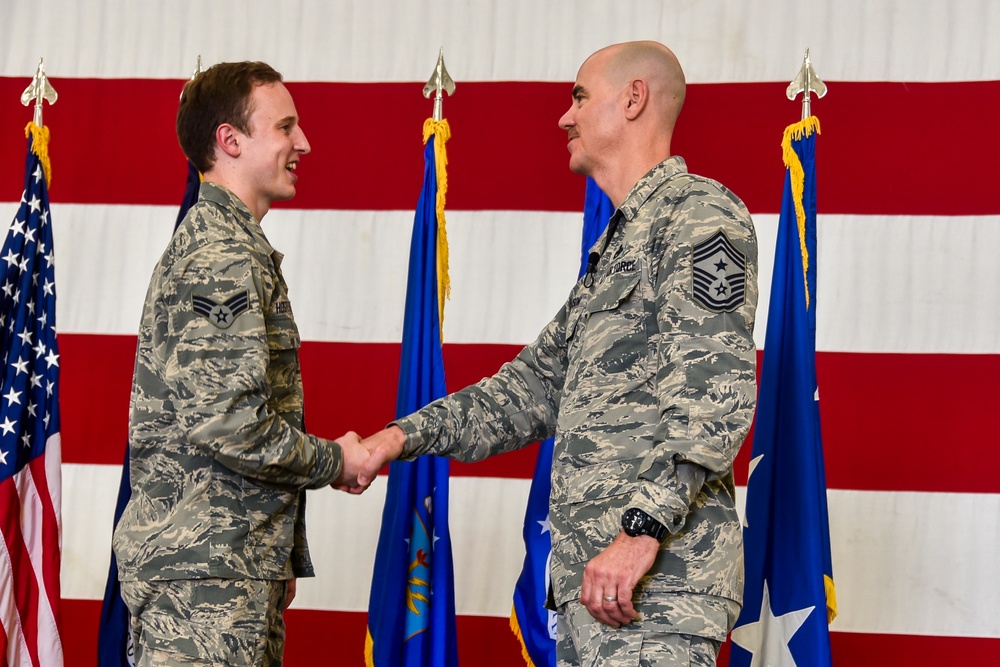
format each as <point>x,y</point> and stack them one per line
<point>806,81</point>
<point>440,82</point>
<point>40,89</point>
<point>197,70</point>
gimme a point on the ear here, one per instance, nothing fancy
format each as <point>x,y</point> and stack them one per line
<point>227,138</point>
<point>637,96</point>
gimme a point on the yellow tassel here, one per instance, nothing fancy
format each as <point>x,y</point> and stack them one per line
<point>831,599</point>
<point>40,147</point>
<point>516,629</point>
<point>441,132</point>
<point>795,132</point>
<point>369,650</point>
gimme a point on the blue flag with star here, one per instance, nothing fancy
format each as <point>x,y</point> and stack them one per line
<point>788,598</point>
<point>532,623</point>
<point>411,611</point>
<point>114,639</point>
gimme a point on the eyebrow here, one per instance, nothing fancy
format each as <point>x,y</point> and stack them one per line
<point>578,90</point>
<point>287,119</point>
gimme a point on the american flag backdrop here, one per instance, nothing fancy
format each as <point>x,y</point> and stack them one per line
<point>908,334</point>
<point>29,426</point>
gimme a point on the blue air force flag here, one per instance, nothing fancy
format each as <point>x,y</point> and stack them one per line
<point>788,597</point>
<point>411,611</point>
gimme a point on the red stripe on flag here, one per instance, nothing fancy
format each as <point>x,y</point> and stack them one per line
<point>49,529</point>
<point>24,588</point>
<point>871,163</point>
<point>867,400</point>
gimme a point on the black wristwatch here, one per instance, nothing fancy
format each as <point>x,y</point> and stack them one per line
<point>635,522</point>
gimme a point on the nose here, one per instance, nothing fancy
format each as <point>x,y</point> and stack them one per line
<point>566,121</point>
<point>301,143</point>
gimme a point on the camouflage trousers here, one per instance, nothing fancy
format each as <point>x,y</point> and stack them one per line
<point>585,642</point>
<point>206,622</point>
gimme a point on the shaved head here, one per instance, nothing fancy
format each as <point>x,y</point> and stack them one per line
<point>654,63</point>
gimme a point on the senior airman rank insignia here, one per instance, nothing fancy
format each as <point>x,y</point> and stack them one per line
<point>720,274</point>
<point>222,314</point>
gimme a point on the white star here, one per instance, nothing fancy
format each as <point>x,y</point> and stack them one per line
<point>753,466</point>
<point>31,306</point>
<point>45,420</point>
<point>7,286</point>
<point>21,365</point>
<point>48,287</point>
<point>35,204</point>
<point>23,264</point>
<point>10,258</point>
<point>52,359</point>
<point>36,380</point>
<point>40,350</point>
<point>37,173</point>
<point>17,227</point>
<point>26,439</point>
<point>3,457</point>
<point>32,409</point>
<point>767,638</point>
<point>546,527</point>
<point>29,235</point>
<point>7,426</point>
<point>25,337</point>
<point>13,397</point>
<point>49,388</point>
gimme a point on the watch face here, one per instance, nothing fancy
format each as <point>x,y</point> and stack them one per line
<point>633,521</point>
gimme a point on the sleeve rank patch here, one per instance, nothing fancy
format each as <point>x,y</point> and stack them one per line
<point>720,274</point>
<point>222,314</point>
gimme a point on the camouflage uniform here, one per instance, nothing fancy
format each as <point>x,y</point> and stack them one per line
<point>647,380</point>
<point>219,462</point>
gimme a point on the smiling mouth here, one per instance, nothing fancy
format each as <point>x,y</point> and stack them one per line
<point>291,166</point>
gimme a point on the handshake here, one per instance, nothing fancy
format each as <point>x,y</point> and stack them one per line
<point>363,459</point>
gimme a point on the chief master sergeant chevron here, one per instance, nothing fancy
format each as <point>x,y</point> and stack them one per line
<point>646,378</point>
<point>213,536</point>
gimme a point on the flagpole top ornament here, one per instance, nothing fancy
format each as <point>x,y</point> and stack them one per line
<point>197,70</point>
<point>806,81</point>
<point>40,90</point>
<point>439,83</point>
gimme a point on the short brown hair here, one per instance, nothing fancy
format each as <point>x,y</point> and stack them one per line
<point>220,94</point>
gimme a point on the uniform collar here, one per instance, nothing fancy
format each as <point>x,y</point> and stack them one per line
<point>649,183</point>
<point>222,196</point>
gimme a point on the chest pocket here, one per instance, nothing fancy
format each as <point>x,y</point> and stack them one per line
<point>608,342</point>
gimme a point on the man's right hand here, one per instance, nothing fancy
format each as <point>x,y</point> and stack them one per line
<point>384,446</point>
<point>354,456</point>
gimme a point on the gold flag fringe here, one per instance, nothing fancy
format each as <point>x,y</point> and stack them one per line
<point>442,133</point>
<point>795,132</point>
<point>831,599</point>
<point>40,147</point>
<point>515,627</point>
<point>369,649</point>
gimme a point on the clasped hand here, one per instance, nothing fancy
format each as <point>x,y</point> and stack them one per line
<point>363,459</point>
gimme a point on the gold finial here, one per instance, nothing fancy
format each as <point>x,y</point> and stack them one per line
<point>806,81</point>
<point>440,82</point>
<point>39,90</point>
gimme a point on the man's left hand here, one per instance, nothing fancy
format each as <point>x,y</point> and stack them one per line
<point>613,573</point>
